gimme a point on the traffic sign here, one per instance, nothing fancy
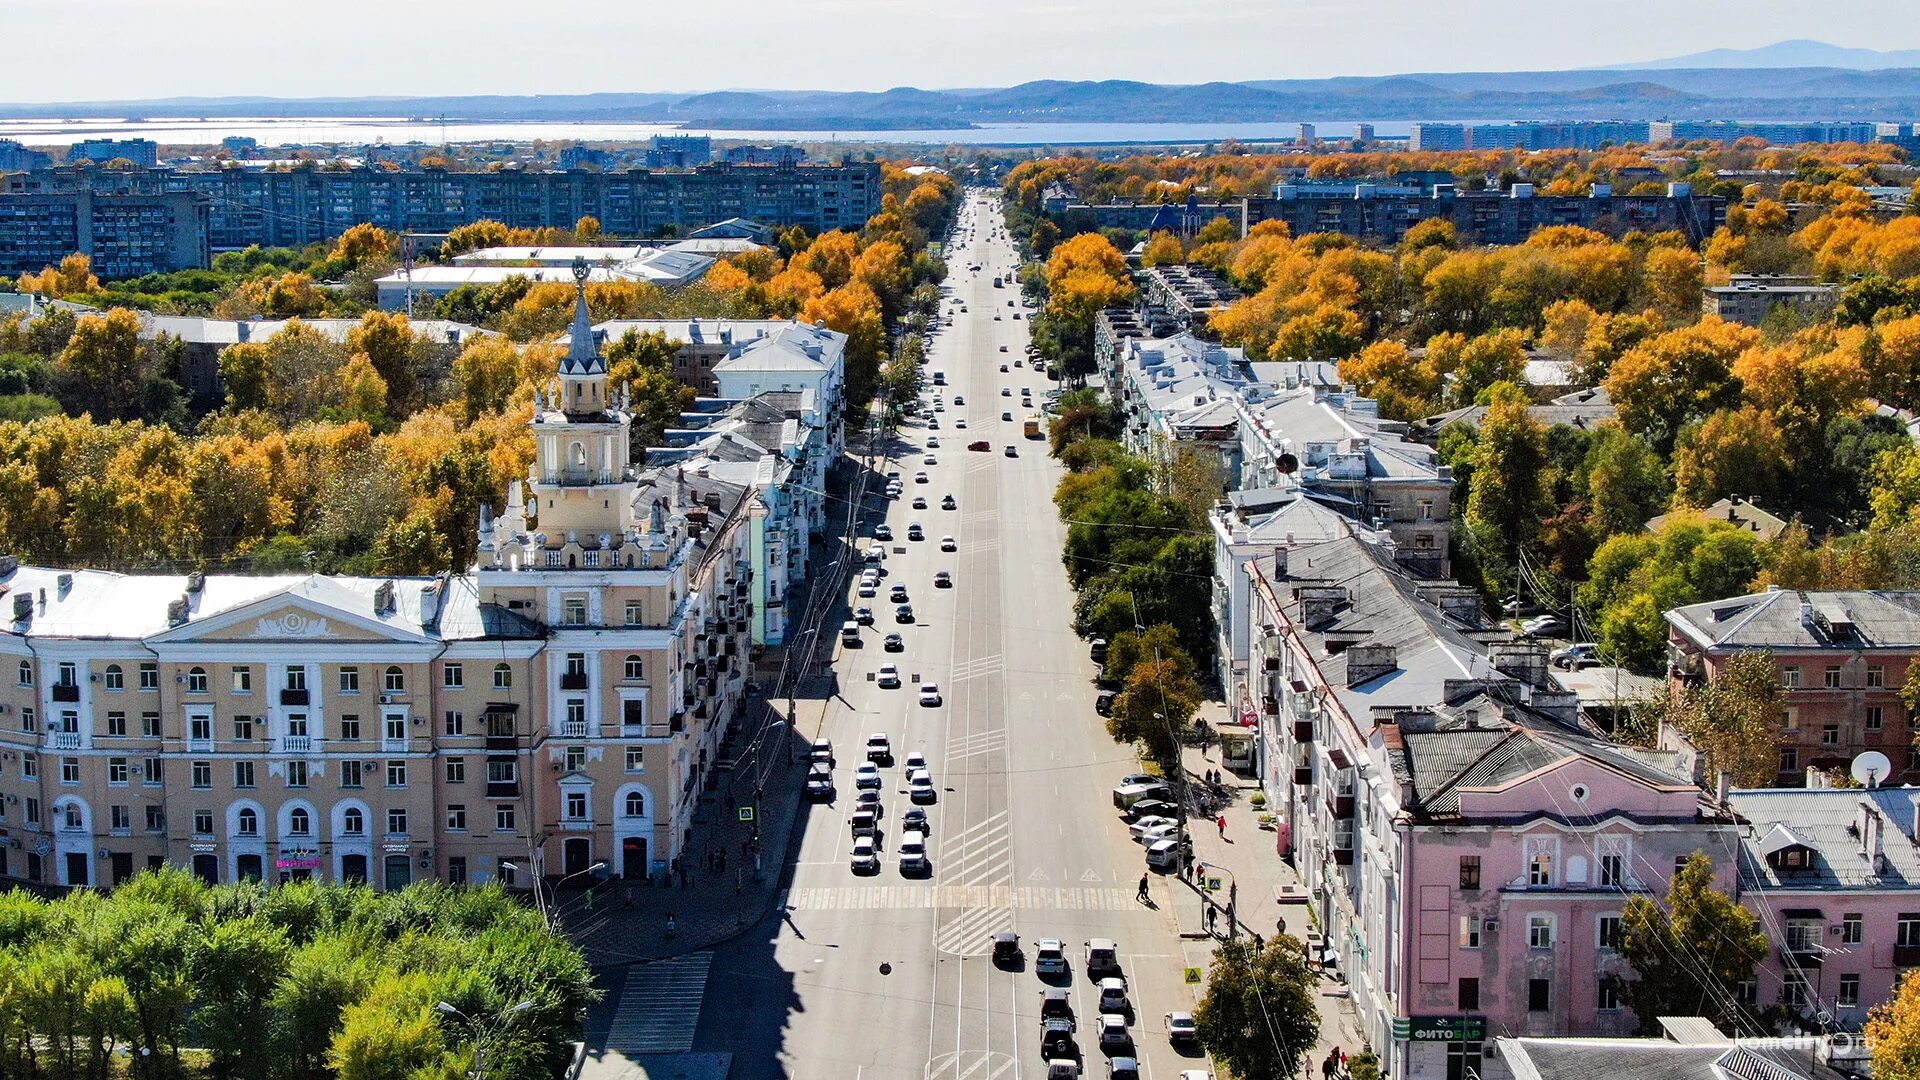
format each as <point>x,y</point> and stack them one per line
<point>1193,976</point>
<point>746,813</point>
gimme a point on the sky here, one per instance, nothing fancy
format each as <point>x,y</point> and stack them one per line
<point>92,50</point>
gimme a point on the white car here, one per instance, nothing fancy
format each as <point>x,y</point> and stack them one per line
<point>866,775</point>
<point>889,677</point>
<point>960,423</point>
<point>934,443</point>
<point>913,853</point>
<point>929,695</point>
<point>1140,828</point>
<point>866,858</point>
<point>916,762</point>
<point>1166,830</point>
<point>947,543</point>
<point>919,478</point>
<point>930,460</point>
<point>883,531</point>
<point>869,588</point>
<point>920,786</point>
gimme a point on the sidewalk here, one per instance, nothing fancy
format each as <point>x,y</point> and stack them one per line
<point>1249,855</point>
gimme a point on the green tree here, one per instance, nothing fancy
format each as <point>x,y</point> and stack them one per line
<point>1732,718</point>
<point>1688,953</point>
<point>235,966</point>
<point>1626,483</point>
<point>1259,1017</point>
<point>1508,496</point>
<point>1156,704</point>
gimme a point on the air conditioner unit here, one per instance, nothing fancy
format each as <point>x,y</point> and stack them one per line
<point>386,699</point>
<point>370,766</point>
<point>1491,925</point>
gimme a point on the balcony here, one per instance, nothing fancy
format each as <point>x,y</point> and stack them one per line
<point>295,744</point>
<point>573,729</point>
<point>1302,729</point>
<point>678,724</point>
<point>293,697</point>
<point>1270,705</point>
<point>573,680</point>
<point>502,742</point>
<point>1804,955</point>
<point>394,745</point>
<point>66,740</point>
<point>503,789</point>
<point>1906,956</point>
<point>1340,795</point>
<point>66,691</point>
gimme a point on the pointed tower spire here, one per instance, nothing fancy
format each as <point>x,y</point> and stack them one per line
<point>583,374</point>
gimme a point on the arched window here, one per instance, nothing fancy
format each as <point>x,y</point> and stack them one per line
<point>635,668</point>
<point>26,673</point>
<point>247,823</point>
<point>353,823</point>
<point>502,677</point>
<point>73,816</point>
<point>116,678</point>
<point>636,804</point>
<point>299,822</point>
<point>577,455</point>
<point>196,680</point>
<point>396,681</point>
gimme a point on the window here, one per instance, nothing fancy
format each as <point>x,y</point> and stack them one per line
<point>397,728</point>
<point>635,804</point>
<point>456,770</point>
<point>69,674</point>
<point>33,810</point>
<point>1540,869</point>
<point>1793,991</point>
<point>349,680</point>
<point>1539,931</point>
<point>350,727</point>
<point>296,774</point>
<point>200,728</point>
<point>203,822</point>
<point>576,806</point>
<point>1612,931</point>
<point>1874,718</point>
<point>1607,998</point>
<point>1906,931</point>
<point>1789,760</point>
<point>26,673</point>
<point>115,678</point>
<point>243,728</point>
<point>576,663</point>
<point>573,610</point>
<point>395,680</point>
<point>1680,863</point>
<point>1747,992</point>
<point>1790,718</point>
<point>454,724</point>
<point>1613,871</point>
<point>243,774</point>
<point>353,822</point>
<point>299,822</point>
<point>117,724</point>
<point>150,675</point>
<point>26,719</point>
<point>634,670</point>
<point>1803,935</point>
<point>29,766</point>
<point>1539,995</point>
<point>636,613</point>
<point>1849,996</point>
<point>1830,734</point>
<point>247,822</point>
<point>149,725</point>
<point>351,774</point>
<point>636,759</point>
<point>576,711</point>
<point>500,770</point>
<point>576,759</point>
<point>296,678</point>
<point>397,777</point>
<point>119,818</point>
<point>456,817</point>
<point>151,772</point>
<point>500,725</point>
<point>156,819</point>
<point>397,820</point>
<point>1790,677</point>
<point>197,680</point>
<point>69,770</point>
<point>117,771</point>
<point>502,677</point>
<point>456,870</point>
<point>1876,676</point>
<point>1469,995</point>
<point>1830,678</point>
<point>1470,931</point>
<point>202,775</point>
<point>243,680</point>
<point>453,676</point>
<point>297,724</point>
<point>1852,928</point>
<point>503,819</point>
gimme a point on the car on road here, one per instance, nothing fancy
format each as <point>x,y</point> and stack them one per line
<point>1103,959</point>
<point>942,580</point>
<point>930,695</point>
<point>919,478</point>
<point>866,775</point>
<point>1006,391</point>
<point>1103,702</point>
<point>1143,825</point>
<point>947,543</point>
<point>889,675</point>
<point>915,820</point>
<point>915,760</point>
<point>948,502</point>
<point>863,616</point>
<point>894,643</point>
<point>1576,656</point>
<point>1049,957</point>
<point>958,399</point>
<point>920,786</point>
<point>930,460</point>
<point>1016,316</point>
<point>1003,367</point>
<point>1006,944</point>
<point>894,489</point>
<point>820,780</point>
<point>1146,808</point>
<point>1056,1002</point>
<point>914,532</point>
<point>1180,1029</point>
<point>919,503</point>
<point>821,751</point>
<point>1009,303</point>
<point>933,423</point>
<point>1003,348</point>
<point>866,857</point>
<point>979,445</point>
<point>1056,1042</point>
<point>1543,626</point>
<point>898,594</point>
<point>1063,1069</point>
<point>1121,1067</point>
<point>883,532</point>
<point>879,747</point>
<point>1113,996</point>
<point>933,441</point>
<point>1012,451</point>
<point>960,423</point>
<point>1006,416</point>
<point>869,799</point>
<point>850,634</point>
<point>1164,856</point>
<point>903,613</point>
<point>913,854</point>
<point>1114,1035</point>
<point>869,588</point>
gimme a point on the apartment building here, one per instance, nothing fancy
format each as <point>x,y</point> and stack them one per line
<point>558,708</point>
<point>142,152</point>
<point>1749,298</point>
<point>1191,294</point>
<point>125,234</point>
<point>1385,212</point>
<point>1842,657</point>
<point>1182,393</point>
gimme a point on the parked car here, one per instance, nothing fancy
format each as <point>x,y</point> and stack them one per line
<point>850,634</point>
<point>1103,704</point>
<point>820,781</point>
<point>1576,656</point>
<point>1146,808</point>
<point>1131,778</point>
<point>913,854</point>
<point>1113,996</point>
<point>863,616</point>
<point>1006,945</point>
<point>1114,1036</point>
<point>1180,1029</point>
<point>1165,856</point>
<point>1141,827</point>
<point>883,531</point>
<point>821,753</point>
<point>1544,626</point>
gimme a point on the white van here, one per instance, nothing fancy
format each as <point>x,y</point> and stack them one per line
<point>850,634</point>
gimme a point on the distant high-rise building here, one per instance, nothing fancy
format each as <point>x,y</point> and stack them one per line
<point>143,152</point>
<point>240,147</point>
<point>126,235</point>
<point>679,151</point>
<point>1306,135</point>
<point>765,155</point>
<point>1363,133</point>
<point>15,156</point>
<point>1437,137</point>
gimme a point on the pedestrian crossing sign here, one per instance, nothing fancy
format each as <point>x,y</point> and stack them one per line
<point>1193,976</point>
<point>746,813</point>
<point>1215,883</point>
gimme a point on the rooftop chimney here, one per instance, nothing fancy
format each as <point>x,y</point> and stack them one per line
<point>1366,663</point>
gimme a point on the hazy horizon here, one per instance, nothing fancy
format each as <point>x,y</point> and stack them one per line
<point>355,48</point>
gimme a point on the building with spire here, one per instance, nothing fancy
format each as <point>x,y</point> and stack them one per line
<point>556,711</point>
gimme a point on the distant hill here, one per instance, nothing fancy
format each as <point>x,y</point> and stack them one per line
<point>1786,54</point>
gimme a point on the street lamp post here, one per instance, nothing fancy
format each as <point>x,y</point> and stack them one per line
<point>482,1035</point>
<point>540,887</point>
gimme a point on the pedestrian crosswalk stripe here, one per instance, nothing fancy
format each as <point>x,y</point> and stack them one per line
<point>660,1006</point>
<point>964,897</point>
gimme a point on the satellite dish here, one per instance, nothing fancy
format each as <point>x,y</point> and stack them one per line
<point>1288,464</point>
<point>1870,768</point>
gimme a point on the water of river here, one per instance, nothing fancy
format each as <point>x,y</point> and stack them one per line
<point>400,130</point>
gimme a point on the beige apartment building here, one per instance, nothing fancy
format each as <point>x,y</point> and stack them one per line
<point>558,707</point>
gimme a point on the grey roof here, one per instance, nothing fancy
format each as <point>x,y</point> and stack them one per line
<point>1556,415</point>
<point>1734,510</point>
<point>1658,1059</point>
<point>1808,619</point>
<point>1826,822</point>
<point>1289,374</point>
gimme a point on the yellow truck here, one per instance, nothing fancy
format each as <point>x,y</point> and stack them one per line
<point>1032,428</point>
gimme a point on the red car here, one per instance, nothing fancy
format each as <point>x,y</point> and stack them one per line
<point>980,445</point>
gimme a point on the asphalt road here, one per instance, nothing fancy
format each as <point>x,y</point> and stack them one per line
<point>888,977</point>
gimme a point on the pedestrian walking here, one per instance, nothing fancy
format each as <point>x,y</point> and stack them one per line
<point>1329,1067</point>
<point>1143,889</point>
<point>1222,822</point>
<point>672,927</point>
